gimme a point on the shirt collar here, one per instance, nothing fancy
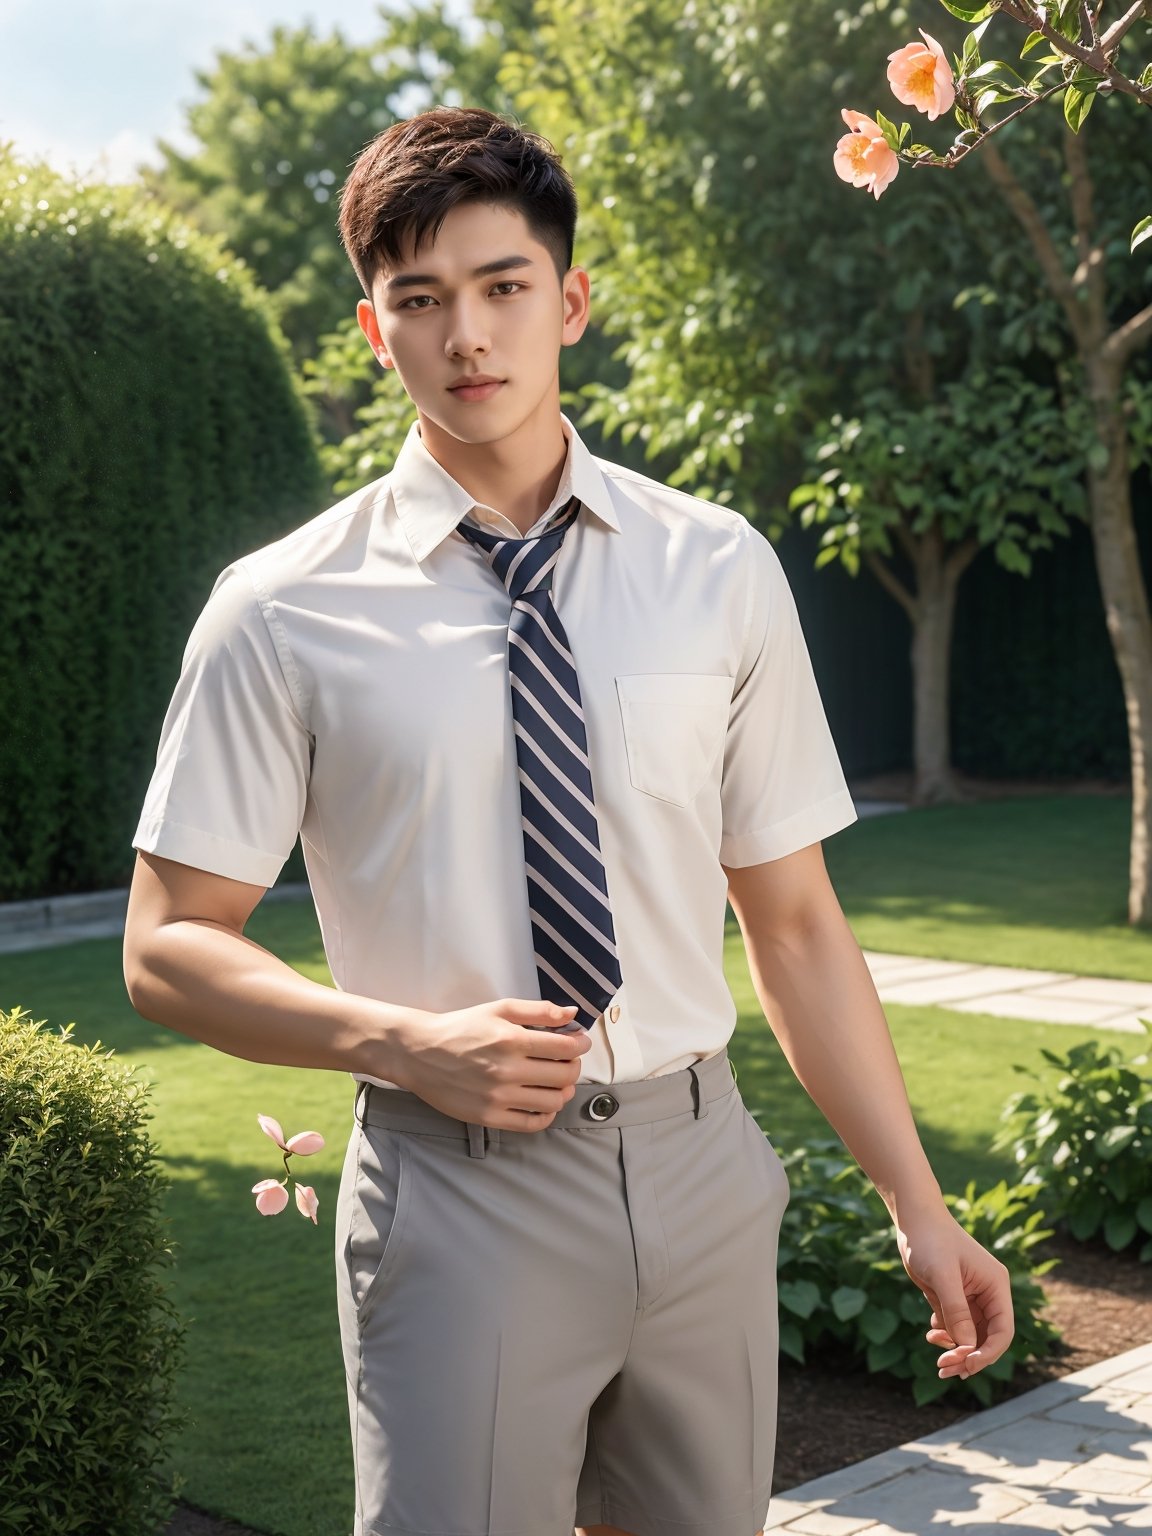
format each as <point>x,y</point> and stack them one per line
<point>430,503</point>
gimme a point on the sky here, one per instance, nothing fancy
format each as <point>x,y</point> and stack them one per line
<point>90,85</point>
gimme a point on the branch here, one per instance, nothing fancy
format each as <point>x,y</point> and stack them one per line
<point>1129,337</point>
<point>1029,217</point>
<point>1112,38</point>
<point>892,583</point>
<point>1090,270</point>
<point>1097,58</point>
<point>961,558</point>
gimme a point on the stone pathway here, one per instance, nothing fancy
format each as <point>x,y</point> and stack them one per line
<point>1072,1455</point>
<point>1012,992</point>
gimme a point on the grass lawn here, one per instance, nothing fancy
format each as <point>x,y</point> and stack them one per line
<point>1020,882</point>
<point>1038,881</point>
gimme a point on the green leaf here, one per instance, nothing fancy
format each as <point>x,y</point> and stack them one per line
<point>1033,40</point>
<point>968,12</point>
<point>879,1324</point>
<point>1144,1213</point>
<point>1143,230</point>
<point>1119,1229</point>
<point>1083,1223</point>
<point>799,1296</point>
<point>1077,105</point>
<point>1114,1140</point>
<point>881,1357</point>
<point>848,1301</point>
<point>889,130</point>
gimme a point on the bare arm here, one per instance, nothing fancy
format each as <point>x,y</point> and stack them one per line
<point>188,965</point>
<point>819,998</point>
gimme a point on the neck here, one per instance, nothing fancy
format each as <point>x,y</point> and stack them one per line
<point>517,475</point>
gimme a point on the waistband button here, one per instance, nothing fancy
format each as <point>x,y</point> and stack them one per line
<point>603,1106</point>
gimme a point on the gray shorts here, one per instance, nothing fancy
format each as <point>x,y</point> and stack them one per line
<point>573,1326</point>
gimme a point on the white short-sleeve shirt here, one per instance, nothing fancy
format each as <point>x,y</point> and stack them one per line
<point>349,682</point>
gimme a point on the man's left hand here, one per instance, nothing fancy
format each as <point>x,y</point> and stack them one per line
<point>968,1289</point>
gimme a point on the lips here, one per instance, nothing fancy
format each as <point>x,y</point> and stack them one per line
<point>476,391</point>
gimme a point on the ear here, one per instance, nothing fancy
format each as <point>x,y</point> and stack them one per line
<point>576,305</point>
<point>366,318</point>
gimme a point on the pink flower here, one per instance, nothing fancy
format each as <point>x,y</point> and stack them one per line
<point>271,1197</point>
<point>864,156</point>
<point>304,1142</point>
<point>920,77</point>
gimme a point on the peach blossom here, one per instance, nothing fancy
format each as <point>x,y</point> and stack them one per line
<point>304,1142</point>
<point>863,156</point>
<point>307,1202</point>
<point>921,77</point>
<point>271,1197</point>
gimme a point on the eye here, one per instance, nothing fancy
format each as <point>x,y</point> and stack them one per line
<point>507,284</point>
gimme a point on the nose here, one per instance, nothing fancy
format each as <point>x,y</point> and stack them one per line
<point>467,330</point>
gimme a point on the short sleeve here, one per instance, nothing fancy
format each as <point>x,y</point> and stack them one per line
<point>230,784</point>
<point>783,786</point>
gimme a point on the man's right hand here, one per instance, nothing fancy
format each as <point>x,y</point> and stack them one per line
<point>505,1064</point>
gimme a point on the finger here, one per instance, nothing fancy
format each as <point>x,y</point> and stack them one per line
<point>1000,1330</point>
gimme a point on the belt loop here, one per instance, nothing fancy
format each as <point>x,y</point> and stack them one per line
<point>701,1104</point>
<point>476,1146</point>
<point>362,1087</point>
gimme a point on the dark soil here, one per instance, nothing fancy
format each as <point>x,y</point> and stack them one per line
<point>831,1415</point>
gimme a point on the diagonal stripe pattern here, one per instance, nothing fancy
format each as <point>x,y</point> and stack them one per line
<point>572,932</point>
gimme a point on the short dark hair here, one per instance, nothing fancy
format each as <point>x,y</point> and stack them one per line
<point>408,177</point>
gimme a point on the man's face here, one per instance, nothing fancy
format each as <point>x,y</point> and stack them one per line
<point>509,322</point>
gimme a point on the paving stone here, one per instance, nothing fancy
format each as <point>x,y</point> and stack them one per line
<point>857,1476</point>
<point>819,1522</point>
<point>1138,1380</point>
<point>1125,1024</point>
<point>1035,1450</point>
<point>933,1497</point>
<point>1101,989</point>
<point>781,1509</point>
<point>1048,1515</point>
<point>913,968</point>
<point>1047,1010</point>
<point>1093,1478</point>
<point>1103,1409</point>
<point>983,981</point>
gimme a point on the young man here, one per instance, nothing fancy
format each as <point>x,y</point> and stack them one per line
<point>534,716</point>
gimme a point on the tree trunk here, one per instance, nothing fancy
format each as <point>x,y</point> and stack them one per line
<point>1125,614</point>
<point>934,782</point>
<point>931,612</point>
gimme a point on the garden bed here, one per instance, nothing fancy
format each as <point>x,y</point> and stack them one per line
<point>831,1416</point>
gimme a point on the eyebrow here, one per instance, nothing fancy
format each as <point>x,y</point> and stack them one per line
<point>429,279</point>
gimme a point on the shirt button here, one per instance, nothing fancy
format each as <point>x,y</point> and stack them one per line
<point>614,1012</point>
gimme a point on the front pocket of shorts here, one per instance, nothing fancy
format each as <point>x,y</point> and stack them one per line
<point>383,1192</point>
<point>777,1173</point>
<point>674,727</point>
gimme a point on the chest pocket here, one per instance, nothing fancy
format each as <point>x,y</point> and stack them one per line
<point>674,726</point>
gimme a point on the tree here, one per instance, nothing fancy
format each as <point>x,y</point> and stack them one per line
<point>1108,324</point>
<point>981,463</point>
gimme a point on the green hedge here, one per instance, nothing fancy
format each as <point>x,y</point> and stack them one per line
<point>90,1341</point>
<point>153,431</point>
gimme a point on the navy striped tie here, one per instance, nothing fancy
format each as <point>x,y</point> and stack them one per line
<point>572,932</point>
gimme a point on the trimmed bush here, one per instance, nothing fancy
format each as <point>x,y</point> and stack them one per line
<point>841,1279</point>
<point>153,431</point>
<point>1087,1140</point>
<point>90,1341</point>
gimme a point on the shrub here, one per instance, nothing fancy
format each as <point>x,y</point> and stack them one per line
<point>841,1278</point>
<point>153,431</point>
<point>1087,1140</point>
<point>90,1342</point>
